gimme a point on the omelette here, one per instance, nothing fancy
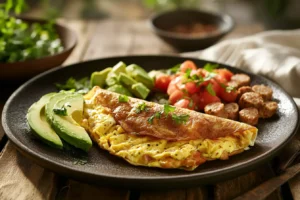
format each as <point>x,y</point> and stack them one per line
<point>147,134</point>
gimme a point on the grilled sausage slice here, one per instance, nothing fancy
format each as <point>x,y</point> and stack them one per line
<point>232,110</point>
<point>265,91</point>
<point>216,109</point>
<point>249,116</point>
<point>268,109</point>
<point>241,79</point>
<point>251,99</point>
<point>243,90</point>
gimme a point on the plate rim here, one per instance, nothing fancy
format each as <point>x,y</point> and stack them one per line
<point>179,178</point>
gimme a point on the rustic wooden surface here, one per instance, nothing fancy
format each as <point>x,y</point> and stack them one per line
<point>20,178</point>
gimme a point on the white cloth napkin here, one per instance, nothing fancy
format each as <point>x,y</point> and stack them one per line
<point>273,54</point>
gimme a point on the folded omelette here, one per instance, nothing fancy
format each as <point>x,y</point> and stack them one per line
<point>147,135</point>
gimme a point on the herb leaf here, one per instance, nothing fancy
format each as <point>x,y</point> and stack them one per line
<point>230,89</point>
<point>210,89</point>
<point>61,111</point>
<point>81,86</point>
<point>168,109</point>
<point>123,99</point>
<point>180,119</point>
<point>174,69</point>
<point>141,107</point>
<point>155,115</point>
<point>210,67</point>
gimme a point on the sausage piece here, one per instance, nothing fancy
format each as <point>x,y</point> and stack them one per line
<point>243,90</point>
<point>216,109</point>
<point>265,91</point>
<point>241,79</point>
<point>268,109</point>
<point>249,116</point>
<point>251,99</point>
<point>232,110</point>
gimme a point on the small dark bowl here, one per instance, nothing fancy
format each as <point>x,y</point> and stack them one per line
<point>162,23</point>
<point>26,69</point>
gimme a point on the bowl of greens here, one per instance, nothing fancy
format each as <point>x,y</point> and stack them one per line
<point>30,46</point>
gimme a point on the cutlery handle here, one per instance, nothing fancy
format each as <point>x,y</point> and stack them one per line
<point>269,186</point>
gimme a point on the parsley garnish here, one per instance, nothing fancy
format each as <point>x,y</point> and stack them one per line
<point>81,86</point>
<point>62,111</point>
<point>180,119</point>
<point>141,107</point>
<point>210,89</point>
<point>210,67</point>
<point>156,115</point>
<point>230,89</point>
<point>168,109</point>
<point>123,99</point>
<point>174,69</point>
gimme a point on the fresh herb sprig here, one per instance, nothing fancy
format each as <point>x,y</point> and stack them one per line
<point>80,86</point>
<point>178,119</point>
<point>123,99</point>
<point>62,111</point>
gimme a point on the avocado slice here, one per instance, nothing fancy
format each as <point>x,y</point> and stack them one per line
<point>140,90</point>
<point>98,78</point>
<point>38,123</point>
<point>126,80</point>
<point>119,89</point>
<point>112,79</point>
<point>67,127</point>
<point>140,75</point>
<point>119,67</point>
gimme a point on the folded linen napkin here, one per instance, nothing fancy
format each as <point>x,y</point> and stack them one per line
<point>273,54</point>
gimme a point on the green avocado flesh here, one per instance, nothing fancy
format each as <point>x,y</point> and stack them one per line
<point>38,123</point>
<point>98,78</point>
<point>140,75</point>
<point>67,127</point>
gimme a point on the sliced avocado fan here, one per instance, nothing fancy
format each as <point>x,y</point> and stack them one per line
<point>38,123</point>
<point>66,124</point>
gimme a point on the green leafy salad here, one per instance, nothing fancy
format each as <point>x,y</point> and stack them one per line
<point>20,41</point>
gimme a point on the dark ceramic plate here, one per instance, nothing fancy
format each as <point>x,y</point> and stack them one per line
<point>103,168</point>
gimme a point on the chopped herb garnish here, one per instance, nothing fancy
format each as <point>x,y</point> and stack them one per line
<point>210,76</point>
<point>210,89</point>
<point>180,119</point>
<point>80,162</point>
<point>81,86</point>
<point>168,109</point>
<point>61,111</point>
<point>123,99</point>
<point>156,115</point>
<point>141,107</point>
<point>191,103</point>
<point>230,89</point>
<point>174,69</point>
<point>210,67</point>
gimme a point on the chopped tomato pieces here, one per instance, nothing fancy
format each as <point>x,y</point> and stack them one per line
<point>175,96</point>
<point>187,65</point>
<point>162,82</point>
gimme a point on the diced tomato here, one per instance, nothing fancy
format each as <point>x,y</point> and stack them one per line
<point>196,100</point>
<point>175,96</point>
<point>216,87</point>
<point>225,73</point>
<point>173,85</point>
<point>202,72</point>
<point>187,65</point>
<point>191,87</point>
<point>228,96</point>
<point>182,103</point>
<point>162,82</point>
<point>206,98</point>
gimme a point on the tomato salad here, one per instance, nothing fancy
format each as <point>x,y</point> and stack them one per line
<point>215,91</point>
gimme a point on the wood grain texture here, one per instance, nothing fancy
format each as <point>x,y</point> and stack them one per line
<point>76,191</point>
<point>199,193</point>
<point>119,38</point>
<point>232,188</point>
<point>22,179</point>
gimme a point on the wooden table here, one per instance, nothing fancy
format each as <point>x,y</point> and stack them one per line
<point>20,178</point>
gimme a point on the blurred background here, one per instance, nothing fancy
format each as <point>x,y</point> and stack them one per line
<point>272,14</point>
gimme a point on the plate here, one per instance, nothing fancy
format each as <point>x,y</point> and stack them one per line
<point>98,166</point>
